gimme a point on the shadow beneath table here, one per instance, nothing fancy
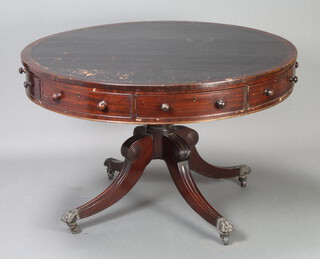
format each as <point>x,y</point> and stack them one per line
<point>264,184</point>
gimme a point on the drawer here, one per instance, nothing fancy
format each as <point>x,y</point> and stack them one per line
<point>32,85</point>
<point>271,90</point>
<point>189,105</point>
<point>77,99</point>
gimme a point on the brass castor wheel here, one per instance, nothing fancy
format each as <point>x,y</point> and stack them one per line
<point>225,239</point>
<point>243,181</point>
<point>244,172</point>
<point>70,218</point>
<point>110,173</point>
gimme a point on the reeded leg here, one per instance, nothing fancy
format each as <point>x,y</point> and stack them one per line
<point>138,153</point>
<point>200,166</point>
<point>176,146</point>
<point>176,154</point>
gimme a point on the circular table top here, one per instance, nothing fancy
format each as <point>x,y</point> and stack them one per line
<point>176,57</point>
<point>143,55</point>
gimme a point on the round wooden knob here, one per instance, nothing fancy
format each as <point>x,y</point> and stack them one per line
<point>165,107</point>
<point>27,84</point>
<point>268,92</point>
<point>294,79</point>
<point>57,96</point>
<point>220,104</point>
<point>102,105</point>
<point>22,70</point>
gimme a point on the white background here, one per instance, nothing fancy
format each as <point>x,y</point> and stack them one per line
<point>50,163</point>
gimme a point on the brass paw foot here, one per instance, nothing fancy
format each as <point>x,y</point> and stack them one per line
<point>225,228</point>
<point>70,218</point>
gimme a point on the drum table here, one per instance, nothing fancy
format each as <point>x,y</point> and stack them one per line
<point>160,74</point>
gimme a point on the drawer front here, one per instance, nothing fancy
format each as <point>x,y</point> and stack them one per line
<point>75,100</point>
<point>269,91</point>
<point>33,87</point>
<point>190,105</point>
